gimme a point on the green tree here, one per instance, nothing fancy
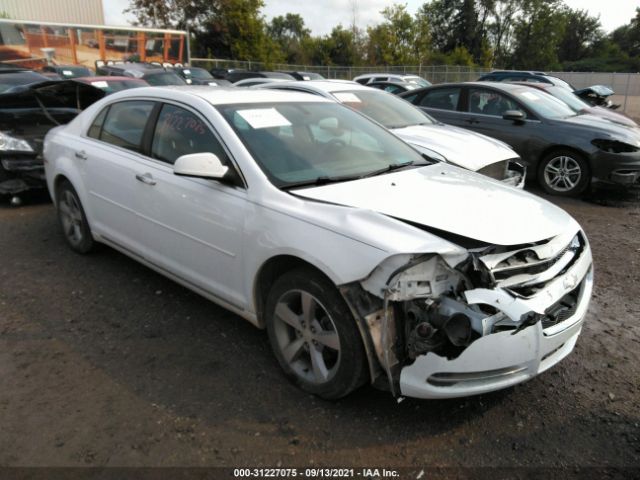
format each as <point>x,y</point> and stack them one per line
<point>289,32</point>
<point>581,33</point>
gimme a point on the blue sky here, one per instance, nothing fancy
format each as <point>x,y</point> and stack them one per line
<point>322,15</point>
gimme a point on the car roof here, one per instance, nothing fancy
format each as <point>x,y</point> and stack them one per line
<point>109,78</point>
<point>326,86</point>
<point>220,95</point>
<point>388,74</point>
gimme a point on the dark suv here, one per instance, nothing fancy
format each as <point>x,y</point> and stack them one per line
<point>524,76</point>
<point>153,74</point>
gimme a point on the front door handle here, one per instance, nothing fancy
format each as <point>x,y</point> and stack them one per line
<point>472,121</point>
<point>146,178</point>
<point>81,155</point>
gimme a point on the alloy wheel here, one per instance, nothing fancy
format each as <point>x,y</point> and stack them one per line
<point>71,218</point>
<point>562,173</point>
<point>307,336</point>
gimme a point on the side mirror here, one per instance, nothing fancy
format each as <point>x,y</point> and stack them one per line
<point>513,115</point>
<point>201,165</point>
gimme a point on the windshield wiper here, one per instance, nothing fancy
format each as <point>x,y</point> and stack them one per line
<point>391,168</point>
<point>323,180</point>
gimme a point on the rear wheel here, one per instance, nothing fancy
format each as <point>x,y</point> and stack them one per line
<point>72,219</point>
<point>314,335</point>
<point>565,173</point>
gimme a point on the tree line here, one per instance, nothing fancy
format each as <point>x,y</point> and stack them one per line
<point>518,34</point>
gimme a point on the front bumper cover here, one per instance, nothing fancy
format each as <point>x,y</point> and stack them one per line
<point>503,359</point>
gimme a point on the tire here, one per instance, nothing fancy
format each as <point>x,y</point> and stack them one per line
<point>564,173</point>
<point>73,220</point>
<point>314,335</point>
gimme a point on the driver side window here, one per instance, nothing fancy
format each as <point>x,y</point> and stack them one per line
<point>179,132</point>
<point>490,102</point>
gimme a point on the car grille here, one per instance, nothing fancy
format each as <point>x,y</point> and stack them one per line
<point>528,269</point>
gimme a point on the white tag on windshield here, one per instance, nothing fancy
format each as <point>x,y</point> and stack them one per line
<point>347,97</point>
<point>264,118</point>
<point>187,72</point>
<point>100,84</point>
<point>68,73</point>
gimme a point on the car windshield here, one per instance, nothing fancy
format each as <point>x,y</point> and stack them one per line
<point>164,78</point>
<point>302,143</point>
<point>112,86</point>
<point>199,73</point>
<point>543,104</point>
<point>417,81</point>
<point>569,98</point>
<point>73,72</point>
<point>384,108</point>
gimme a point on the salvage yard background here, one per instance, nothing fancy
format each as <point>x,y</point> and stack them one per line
<point>105,363</point>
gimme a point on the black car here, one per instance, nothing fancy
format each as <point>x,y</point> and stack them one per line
<point>199,76</point>
<point>154,75</point>
<point>26,115</point>
<point>564,149</point>
<point>393,87</point>
<point>237,75</point>
<point>524,76</point>
<point>66,71</point>
<point>11,78</point>
<point>304,75</point>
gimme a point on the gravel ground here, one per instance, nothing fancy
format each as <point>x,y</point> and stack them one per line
<point>105,363</point>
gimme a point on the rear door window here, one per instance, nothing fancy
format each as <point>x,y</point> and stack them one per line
<point>442,98</point>
<point>125,124</point>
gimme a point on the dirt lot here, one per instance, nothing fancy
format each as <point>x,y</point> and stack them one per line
<point>105,363</point>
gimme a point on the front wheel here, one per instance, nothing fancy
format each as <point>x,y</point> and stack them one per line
<point>564,173</point>
<point>73,219</point>
<point>314,335</point>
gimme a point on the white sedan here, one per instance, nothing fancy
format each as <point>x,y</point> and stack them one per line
<point>364,260</point>
<point>455,145</point>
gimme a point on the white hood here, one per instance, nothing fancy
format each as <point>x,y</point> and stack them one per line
<point>461,147</point>
<point>448,198</point>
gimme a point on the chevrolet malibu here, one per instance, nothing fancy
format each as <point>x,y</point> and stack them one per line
<point>365,261</point>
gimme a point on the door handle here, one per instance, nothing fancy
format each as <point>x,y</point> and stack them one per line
<point>472,121</point>
<point>81,155</point>
<point>147,179</point>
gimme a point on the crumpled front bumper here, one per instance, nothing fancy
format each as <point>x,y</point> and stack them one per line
<point>500,360</point>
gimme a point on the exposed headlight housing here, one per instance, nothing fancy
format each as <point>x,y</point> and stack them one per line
<point>12,144</point>
<point>497,170</point>
<point>614,146</point>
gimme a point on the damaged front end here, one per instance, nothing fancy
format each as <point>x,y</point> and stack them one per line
<point>472,321</point>
<point>26,115</point>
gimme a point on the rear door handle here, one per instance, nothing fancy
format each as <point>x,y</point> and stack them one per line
<point>146,178</point>
<point>472,121</point>
<point>81,155</point>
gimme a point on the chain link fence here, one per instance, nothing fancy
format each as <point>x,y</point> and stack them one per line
<point>626,85</point>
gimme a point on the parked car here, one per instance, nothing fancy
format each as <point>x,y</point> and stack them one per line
<point>155,75</point>
<point>111,85</point>
<point>598,96</point>
<point>579,105</point>
<point>26,115</point>
<point>393,87</point>
<point>223,73</point>
<point>364,261</point>
<point>253,82</point>
<point>304,75</point>
<point>524,76</point>
<point>199,76</point>
<point>10,78</point>
<point>563,150</point>
<point>391,77</point>
<point>67,71</point>
<point>446,143</point>
<point>237,75</point>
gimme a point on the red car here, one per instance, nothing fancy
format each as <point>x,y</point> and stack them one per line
<point>111,85</point>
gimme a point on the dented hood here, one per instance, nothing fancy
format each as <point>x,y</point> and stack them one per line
<point>449,199</point>
<point>459,146</point>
